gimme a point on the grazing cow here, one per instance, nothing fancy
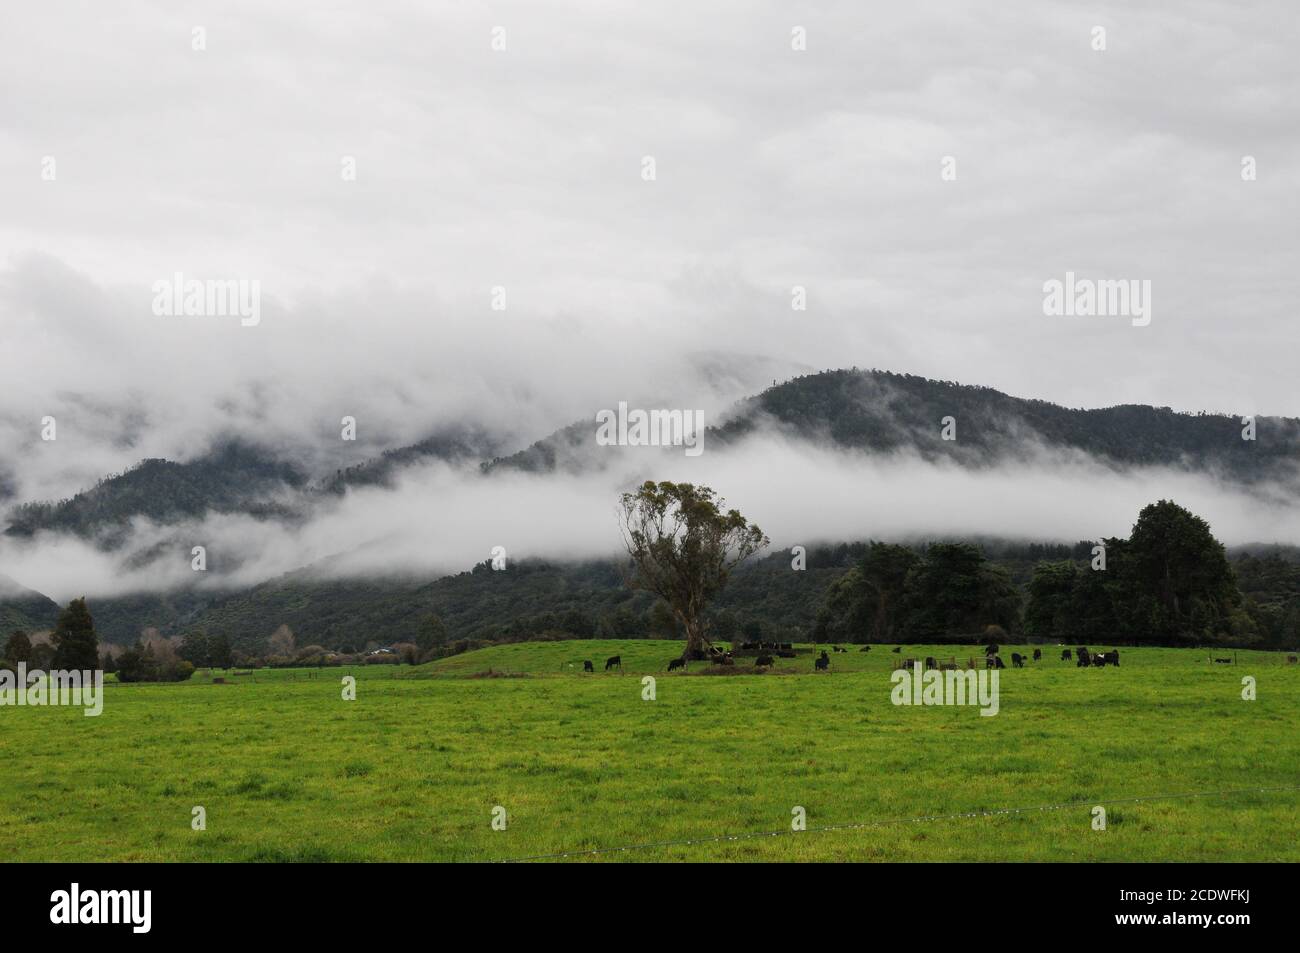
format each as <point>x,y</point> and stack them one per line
<point>909,663</point>
<point>821,663</point>
<point>1065,655</point>
<point>930,663</point>
<point>614,661</point>
<point>1084,659</point>
<point>896,649</point>
<point>1224,661</point>
<point>991,649</point>
<point>676,664</point>
<point>994,661</point>
<point>1017,660</point>
<point>588,667</point>
<point>867,648</point>
<point>838,649</point>
<point>1038,653</point>
<point>762,660</point>
<point>1110,658</point>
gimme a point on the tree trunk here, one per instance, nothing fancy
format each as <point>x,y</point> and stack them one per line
<point>696,642</point>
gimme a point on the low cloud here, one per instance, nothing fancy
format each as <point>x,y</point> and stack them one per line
<point>439,519</point>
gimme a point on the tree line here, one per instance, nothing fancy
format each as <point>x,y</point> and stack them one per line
<point>1169,583</point>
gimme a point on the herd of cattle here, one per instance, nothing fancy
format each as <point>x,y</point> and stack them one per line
<point>993,660</point>
<point>766,650</point>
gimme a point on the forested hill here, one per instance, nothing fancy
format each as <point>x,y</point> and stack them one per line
<point>541,599</point>
<point>233,478</point>
<point>882,412</point>
<point>871,411</point>
<point>21,608</point>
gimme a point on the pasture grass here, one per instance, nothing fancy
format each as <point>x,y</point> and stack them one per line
<point>412,769</point>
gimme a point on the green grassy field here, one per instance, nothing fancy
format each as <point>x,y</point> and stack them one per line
<point>412,769</point>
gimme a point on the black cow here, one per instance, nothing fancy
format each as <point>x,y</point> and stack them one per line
<point>822,663</point>
<point>1084,658</point>
<point>1065,655</point>
<point>1224,661</point>
<point>588,667</point>
<point>909,663</point>
<point>930,663</point>
<point>867,648</point>
<point>994,661</point>
<point>676,664</point>
<point>1038,653</point>
<point>896,649</point>
<point>1017,660</point>
<point>614,661</point>
<point>1111,657</point>
<point>762,660</point>
<point>991,649</point>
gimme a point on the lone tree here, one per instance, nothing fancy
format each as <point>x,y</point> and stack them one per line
<point>76,647</point>
<point>683,546</point>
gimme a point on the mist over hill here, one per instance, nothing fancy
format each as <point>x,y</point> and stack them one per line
<point>882,412</point>
<point>379,546</point>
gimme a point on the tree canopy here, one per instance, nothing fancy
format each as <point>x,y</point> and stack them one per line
<point>683,545</point>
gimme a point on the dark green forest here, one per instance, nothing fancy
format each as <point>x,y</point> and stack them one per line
<point>1169,583</point>
<point>936,590</point>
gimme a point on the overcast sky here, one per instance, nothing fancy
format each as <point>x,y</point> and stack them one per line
<point>523,168</point>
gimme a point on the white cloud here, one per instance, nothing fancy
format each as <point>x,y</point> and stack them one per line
<point>521,169</point>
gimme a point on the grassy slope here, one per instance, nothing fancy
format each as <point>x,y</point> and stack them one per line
<point>413,768</point>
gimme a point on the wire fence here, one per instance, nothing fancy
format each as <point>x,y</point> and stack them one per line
<point>861,825</point>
